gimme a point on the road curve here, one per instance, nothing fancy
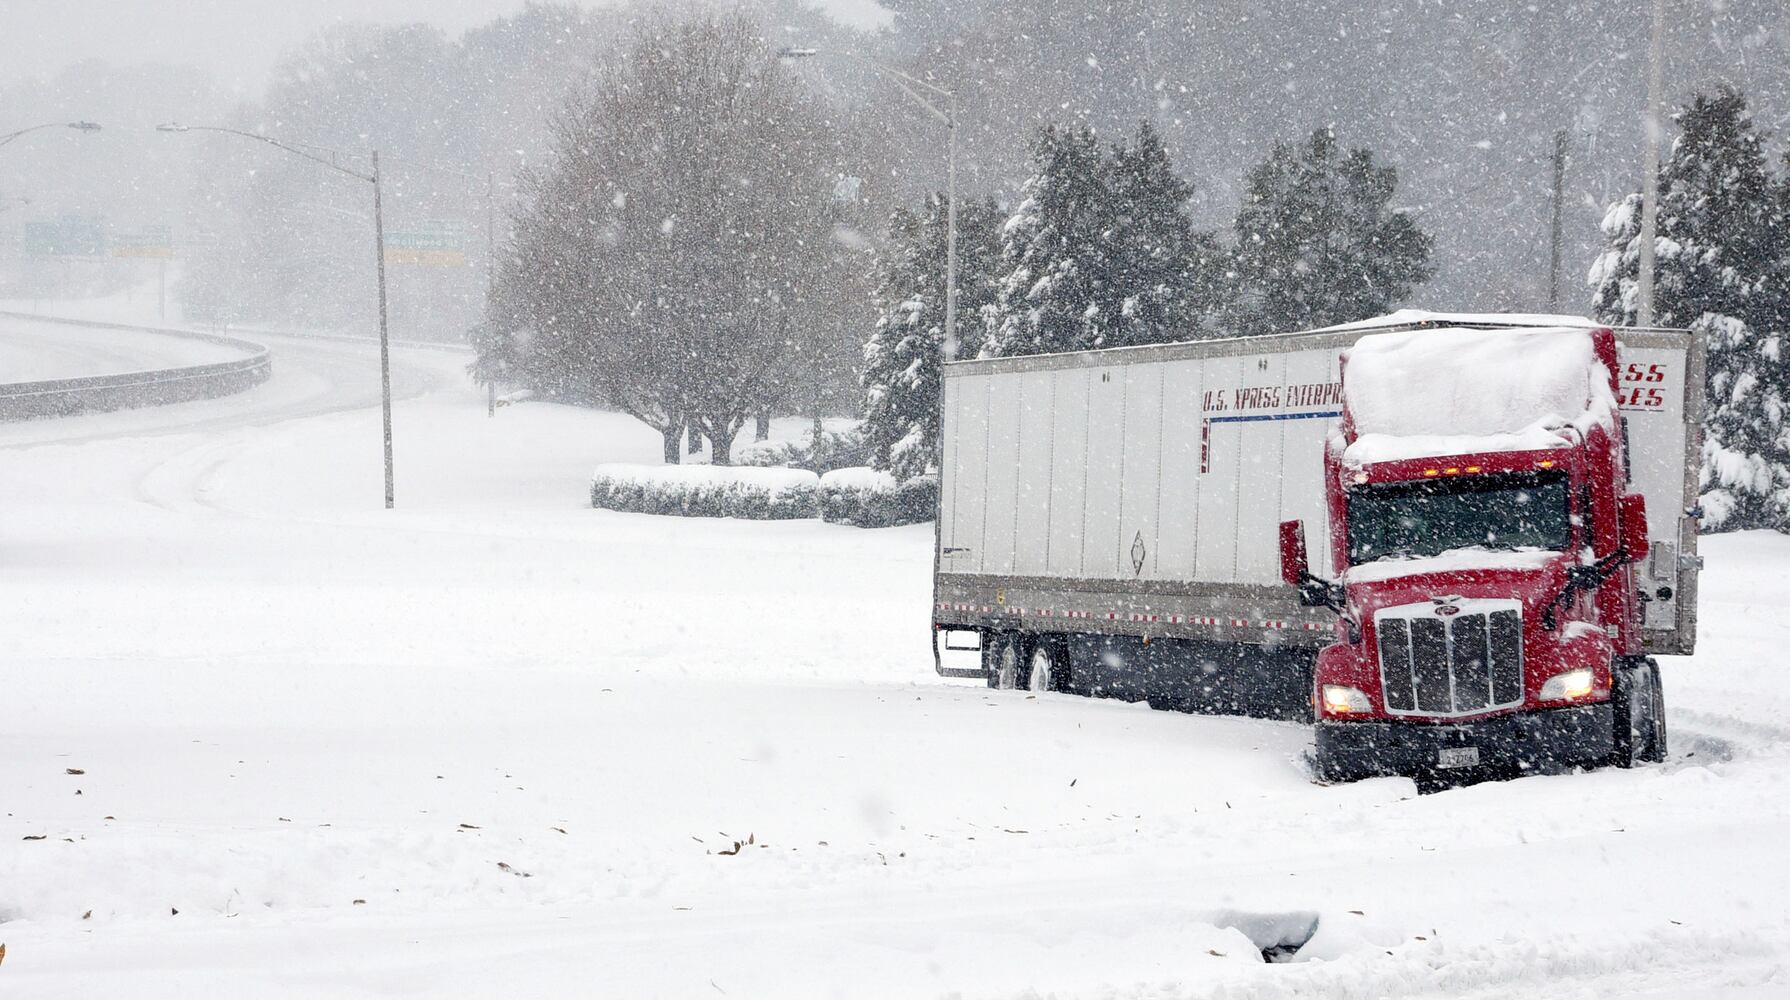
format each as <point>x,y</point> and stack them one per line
<point>38,350</point>
<point>312,376</point>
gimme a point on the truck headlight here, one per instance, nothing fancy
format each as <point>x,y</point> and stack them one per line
<point>1569,685</point>
<point>1340,699</point>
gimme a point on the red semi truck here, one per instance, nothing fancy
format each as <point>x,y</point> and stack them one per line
<point>1508,534</point>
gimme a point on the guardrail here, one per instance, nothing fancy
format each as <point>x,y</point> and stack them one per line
<point>62,397</point>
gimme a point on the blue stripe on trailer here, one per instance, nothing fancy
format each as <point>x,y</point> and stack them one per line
<point>1274,416</point>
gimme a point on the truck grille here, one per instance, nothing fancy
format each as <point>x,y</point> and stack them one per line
<point>1451,664</point>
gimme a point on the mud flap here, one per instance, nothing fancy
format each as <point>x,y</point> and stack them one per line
<point>952,659</point>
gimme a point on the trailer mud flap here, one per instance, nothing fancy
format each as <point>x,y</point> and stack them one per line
<point>958,653</point>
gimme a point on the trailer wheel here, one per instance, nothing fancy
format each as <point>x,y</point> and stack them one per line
<point>1006,660</point>
<point>1044,672</point>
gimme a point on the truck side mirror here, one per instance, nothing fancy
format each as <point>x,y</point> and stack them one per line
<point>1294,569</point>
<point>1631,511</point>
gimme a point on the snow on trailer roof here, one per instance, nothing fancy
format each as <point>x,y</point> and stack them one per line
<point>1456,390</point>
<point>1413,317</point>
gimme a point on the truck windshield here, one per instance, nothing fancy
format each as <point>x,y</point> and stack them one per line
<point>1431,516</point>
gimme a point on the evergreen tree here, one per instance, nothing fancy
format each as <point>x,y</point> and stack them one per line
<point>1052,296</point>
<point>1102,253</point>
<point>1169,276</point>
<point>901,361</point>
<point>1318,242</point>
<point>1719,270</point>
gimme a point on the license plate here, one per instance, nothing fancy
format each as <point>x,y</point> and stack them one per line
<point>1457,757</point>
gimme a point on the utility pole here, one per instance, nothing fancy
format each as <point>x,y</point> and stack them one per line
<point>490,281</point>
<point>1554,233</point>
<point>948,116</point>
<point>1655,125</point>
<point>951,232</point>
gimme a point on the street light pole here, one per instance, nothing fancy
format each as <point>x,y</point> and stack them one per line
<point>385,354</point>
<point>948,115</point>
<point>385,346</point>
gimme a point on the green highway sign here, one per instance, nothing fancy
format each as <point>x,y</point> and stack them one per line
<point>69,236</point>
<point>435,243</point>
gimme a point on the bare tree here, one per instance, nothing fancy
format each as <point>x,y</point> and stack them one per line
<point>667,259</point>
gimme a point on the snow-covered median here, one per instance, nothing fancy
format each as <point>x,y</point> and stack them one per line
<point>705,491</point>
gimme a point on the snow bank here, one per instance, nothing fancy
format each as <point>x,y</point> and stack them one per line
<point>705,491</point>
<point>1452,391</point>
<point>870,498</point>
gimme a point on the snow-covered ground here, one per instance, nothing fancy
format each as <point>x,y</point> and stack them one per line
<point>497,744</point>
<point>32,351</point>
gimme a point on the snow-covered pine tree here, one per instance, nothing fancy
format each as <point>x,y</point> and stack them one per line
<point>900,377</point>
<point>1721,270</point>
<point>1053,295</point>
<point>1102,252</point>
<point>1318,241</point>
<point>1169,277</point>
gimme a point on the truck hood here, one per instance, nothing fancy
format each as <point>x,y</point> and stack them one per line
<point>1535,577</point>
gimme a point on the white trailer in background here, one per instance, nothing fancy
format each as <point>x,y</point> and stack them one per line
<point>1119,509</point>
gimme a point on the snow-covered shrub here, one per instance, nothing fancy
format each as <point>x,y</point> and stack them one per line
<point>837,450</point>
<point>834,450</point>
<point>768,454</point>
<point>705,491</point>
<point>871,498</point>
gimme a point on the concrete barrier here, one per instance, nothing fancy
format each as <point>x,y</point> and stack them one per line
<point>126,390</point>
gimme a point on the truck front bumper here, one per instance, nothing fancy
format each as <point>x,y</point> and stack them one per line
<point>1548,740</point>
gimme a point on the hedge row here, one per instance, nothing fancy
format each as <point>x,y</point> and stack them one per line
<point>869,498</point>
<point>705,491</point>
<point>859,496</point>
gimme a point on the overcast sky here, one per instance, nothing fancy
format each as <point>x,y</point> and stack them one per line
<point>237,41</point>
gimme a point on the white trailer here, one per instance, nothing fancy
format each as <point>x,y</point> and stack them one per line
<point>1136,493</point>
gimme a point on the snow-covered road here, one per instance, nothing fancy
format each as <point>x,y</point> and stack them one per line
<point>32,351</point>
<point>494,743</point>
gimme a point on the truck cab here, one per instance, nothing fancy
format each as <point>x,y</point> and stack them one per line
<point>1483,541</point>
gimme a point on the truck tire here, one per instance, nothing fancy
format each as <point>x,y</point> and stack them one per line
<point>1656,746</point>
<point>1045,667</point>
<point>1638,708</point>
<point>1006,661</point>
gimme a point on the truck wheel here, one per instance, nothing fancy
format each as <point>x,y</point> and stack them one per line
<point>1656,744</point>
<point>1638,714</point>
<point>1006,659</point>
<point>1044,672</point>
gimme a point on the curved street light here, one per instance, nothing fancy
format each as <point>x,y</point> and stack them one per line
<point>332,162</point>
<point>948,115</point>
<point>82,126</point>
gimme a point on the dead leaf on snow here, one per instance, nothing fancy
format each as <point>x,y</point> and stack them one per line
<point>73,770</point>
